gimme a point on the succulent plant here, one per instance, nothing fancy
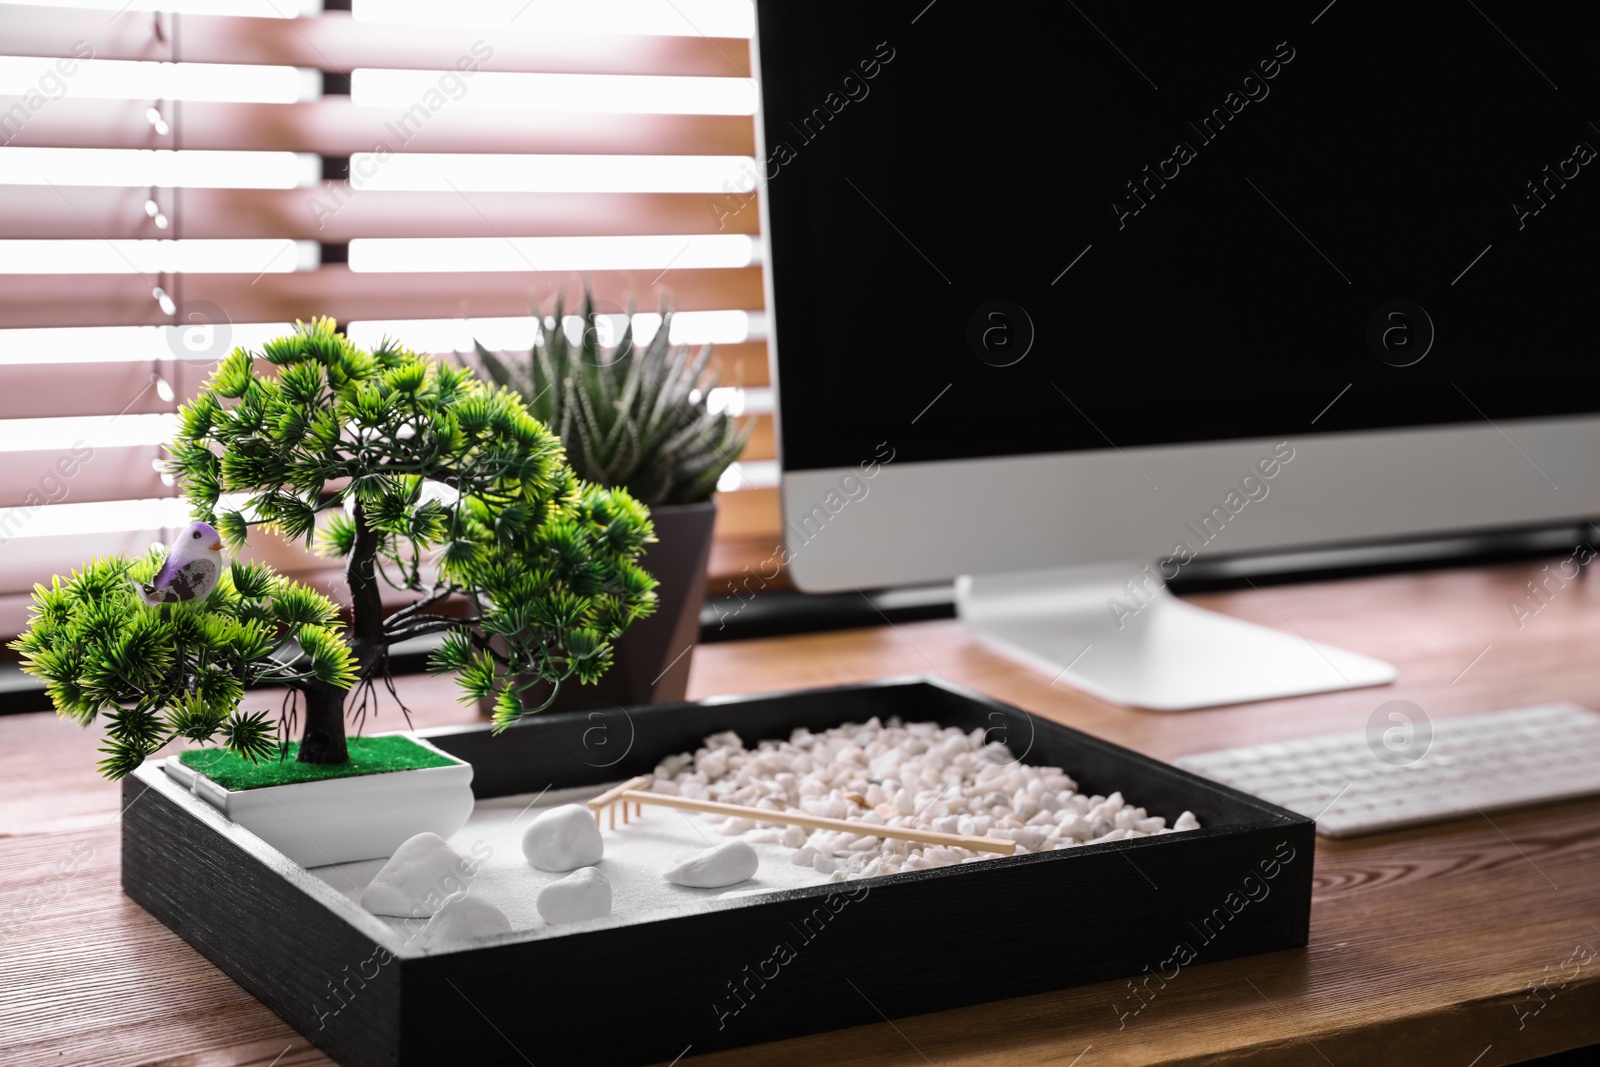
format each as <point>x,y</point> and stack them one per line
<point>629,416</point>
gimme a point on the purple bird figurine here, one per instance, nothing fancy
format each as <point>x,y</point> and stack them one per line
<point>190,573</point>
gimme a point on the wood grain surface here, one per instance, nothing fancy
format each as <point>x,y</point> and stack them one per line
<point>1468,944</point>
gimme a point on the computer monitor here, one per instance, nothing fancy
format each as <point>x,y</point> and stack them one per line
<point>1066,296</point>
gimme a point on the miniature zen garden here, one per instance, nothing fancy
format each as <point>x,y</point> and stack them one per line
<point>418,473</point>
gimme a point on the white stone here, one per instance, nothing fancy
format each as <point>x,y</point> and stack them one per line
<point>729,863</point>
<point>583,894</point>
<point>461,920</point>
<point>422,874</point>
<point>909,775</point>
<point>1186,821</point>
<point>563,839</point>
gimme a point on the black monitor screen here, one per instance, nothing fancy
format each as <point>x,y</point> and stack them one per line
<point>1023,227</point>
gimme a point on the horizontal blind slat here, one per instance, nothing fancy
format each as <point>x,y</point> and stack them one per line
<point>41,390</point>
<point>45,390</point>
<point>749,513</point>
<point>79,474</point>
<point>125,299</point>
<point>763,443</point>
<point>334,41</point>
<point>82,473</point>
<point>334,127</point>
<point>87,212</point>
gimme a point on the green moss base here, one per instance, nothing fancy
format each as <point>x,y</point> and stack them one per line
<point>368,755</point>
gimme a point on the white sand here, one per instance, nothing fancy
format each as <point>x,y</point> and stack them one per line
<point>636,856</point>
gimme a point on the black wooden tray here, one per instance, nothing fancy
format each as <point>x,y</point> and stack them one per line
<point>641,990</point>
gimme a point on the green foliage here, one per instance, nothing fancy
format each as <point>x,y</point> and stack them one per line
<point>174,670</point>
<point>423,476</point>
<point>629,416</point>
<point>556,602</point>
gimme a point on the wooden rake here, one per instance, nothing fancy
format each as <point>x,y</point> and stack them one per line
<point>636,791</point>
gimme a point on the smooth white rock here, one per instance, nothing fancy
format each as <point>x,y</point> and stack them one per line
<point>729,863</point>
<point>563,839</point>
<point>422,874</point>
<point>1186,821</point>
<point>583,894</point>
<point>463,919</point>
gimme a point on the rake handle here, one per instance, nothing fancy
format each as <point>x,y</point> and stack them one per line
<point>625,793</point>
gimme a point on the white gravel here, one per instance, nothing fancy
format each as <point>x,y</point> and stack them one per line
<point>915,775</point>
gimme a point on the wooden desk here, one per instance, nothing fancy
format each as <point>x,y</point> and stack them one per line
<point>1424,943</point>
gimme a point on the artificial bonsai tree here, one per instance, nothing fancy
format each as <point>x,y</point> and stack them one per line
<point>416,474</point>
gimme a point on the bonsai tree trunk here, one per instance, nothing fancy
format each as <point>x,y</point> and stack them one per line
<point>323,740</point>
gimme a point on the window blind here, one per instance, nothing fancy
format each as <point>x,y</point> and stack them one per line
<point>177,182</point>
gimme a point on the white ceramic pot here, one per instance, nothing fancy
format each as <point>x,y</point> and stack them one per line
<point>340,820</point>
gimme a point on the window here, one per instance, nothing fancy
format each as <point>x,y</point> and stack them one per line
<point>176,183</point>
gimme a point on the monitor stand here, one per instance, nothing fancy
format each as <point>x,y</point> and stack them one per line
<point>1116,632</point>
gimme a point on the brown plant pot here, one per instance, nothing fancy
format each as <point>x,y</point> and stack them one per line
<point>650,663</point>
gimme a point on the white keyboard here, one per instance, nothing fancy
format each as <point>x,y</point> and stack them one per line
<point>1357,783</point>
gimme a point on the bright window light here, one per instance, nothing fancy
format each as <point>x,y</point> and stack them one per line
<point>129,79</point>
<point>629,93</point>
<point>116,344</point>
<point>94,431</point>
<point>748,474</point>
<point>737,400</point>
<point>685,18</point>
<point>516,334</point>
<point>162,167</point>
<point>266,9</point>
<point>492,173</point>
<point>702,327</point>
<point>104,516</point>
<point>265,255</point>
<point>522,254</point>
<point>446,335</point>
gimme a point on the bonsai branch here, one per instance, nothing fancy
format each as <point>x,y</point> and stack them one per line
<point>439,593</point>
<point>425,624</point>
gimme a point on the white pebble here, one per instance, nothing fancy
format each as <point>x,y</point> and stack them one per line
<point>583,894</point>
<point>422,874</point>
<point>462,920</point>
<point>563,838</point>
<point>1186,821</point>
<point>729,863</point>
